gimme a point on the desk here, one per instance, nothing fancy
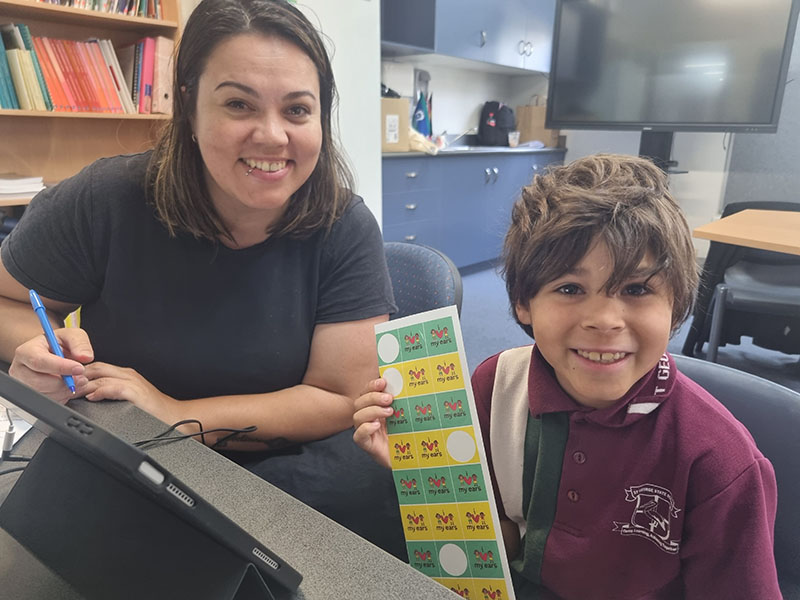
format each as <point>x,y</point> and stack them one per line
<point>335,562</point>
<point>776,230</point>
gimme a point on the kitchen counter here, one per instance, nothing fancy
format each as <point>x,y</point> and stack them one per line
<point>457,150</point>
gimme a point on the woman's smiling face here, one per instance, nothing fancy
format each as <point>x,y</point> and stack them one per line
<point>258,125</point>
<point>598,343</point>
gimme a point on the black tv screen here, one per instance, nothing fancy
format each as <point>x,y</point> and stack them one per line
<point>670,65</point>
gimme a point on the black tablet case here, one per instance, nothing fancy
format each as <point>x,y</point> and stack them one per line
<point>85,509</point>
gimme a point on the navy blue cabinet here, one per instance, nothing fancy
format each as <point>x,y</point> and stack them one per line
<point>457,203</point>
<point>514,33</point>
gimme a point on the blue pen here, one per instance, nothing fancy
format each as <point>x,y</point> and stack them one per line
<point>41,312</point>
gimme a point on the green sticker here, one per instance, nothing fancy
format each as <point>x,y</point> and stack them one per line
<point>423,413</point>
<point>412,342</point>
<point>400,420</point>
<point>440,336</point>
<point>484,559</point>
<point>468,483</point>
<point>424,558</point>
<point>453,408</point>
<point>438,485</point>
<point>409,486</point>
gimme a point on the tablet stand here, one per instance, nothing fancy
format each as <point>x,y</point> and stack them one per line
<point>108,540</point>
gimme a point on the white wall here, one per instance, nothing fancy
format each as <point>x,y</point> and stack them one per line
<point>352,29</point>
<point>701,191</point>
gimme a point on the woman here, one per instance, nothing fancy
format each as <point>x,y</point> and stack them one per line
<point>228,276</point>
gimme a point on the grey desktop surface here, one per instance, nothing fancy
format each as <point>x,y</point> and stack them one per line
<point>335,562</point>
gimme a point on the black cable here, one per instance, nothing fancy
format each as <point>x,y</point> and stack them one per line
<point>172,428</point>
<point>160,437</point>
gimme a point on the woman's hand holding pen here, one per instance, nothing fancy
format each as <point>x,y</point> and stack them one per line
<point>109,382</point>
<point>37,367</point>
<point>371,410</point>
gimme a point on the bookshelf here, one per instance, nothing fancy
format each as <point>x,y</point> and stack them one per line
<point>56,145</point>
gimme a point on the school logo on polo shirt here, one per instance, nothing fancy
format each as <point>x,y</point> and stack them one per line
<point>652,516</point>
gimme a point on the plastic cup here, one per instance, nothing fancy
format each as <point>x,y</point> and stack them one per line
<point>513,139</point>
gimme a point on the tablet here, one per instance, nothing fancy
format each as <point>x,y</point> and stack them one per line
<point>136,469</point>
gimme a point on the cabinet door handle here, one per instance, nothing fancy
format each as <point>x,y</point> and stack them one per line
<point>535,167</point>
<point>483,39</point>
<point>528,49</point>
<point>521,47</point>
<point>488,173</point>
<point>496,172</point>
<point>409,238</point>
<point>411,207</point>
<point>411,174</point>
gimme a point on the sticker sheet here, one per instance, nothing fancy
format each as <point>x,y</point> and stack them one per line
<point>438,461</point>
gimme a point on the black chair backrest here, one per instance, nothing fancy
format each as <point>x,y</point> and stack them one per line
<point>771,413</point>
<point>720,257</point>
<point>423,278</point>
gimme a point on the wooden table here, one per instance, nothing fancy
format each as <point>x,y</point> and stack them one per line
<point>775,230</point>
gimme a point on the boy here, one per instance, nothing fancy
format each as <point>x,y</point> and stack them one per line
<point>615,475</point>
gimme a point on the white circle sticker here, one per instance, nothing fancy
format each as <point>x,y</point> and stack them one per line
<point>453,560</point>
<point>461,446</point>
<point>394,381</point>
<point>388,347</point>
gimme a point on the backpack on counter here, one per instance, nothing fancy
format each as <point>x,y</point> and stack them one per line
<point>497,119</point>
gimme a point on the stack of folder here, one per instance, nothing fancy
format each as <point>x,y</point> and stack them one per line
<point>49,74</point>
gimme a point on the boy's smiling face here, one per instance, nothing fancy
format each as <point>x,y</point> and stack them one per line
<point>600,344</point>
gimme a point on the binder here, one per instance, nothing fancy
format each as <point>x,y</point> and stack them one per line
<point>71,77</point>
<point>52,78</point>
<point>27,40</point>
<point>69,96</point>
<point>8,97</point>
<point>162,75</point>
<point>146,81</point>
<point>31,83</point>
<point>15,64</point>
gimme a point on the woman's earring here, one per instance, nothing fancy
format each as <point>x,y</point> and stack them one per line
<point>194,138</point>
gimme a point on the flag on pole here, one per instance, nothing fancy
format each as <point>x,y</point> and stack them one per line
<point>422,120</point>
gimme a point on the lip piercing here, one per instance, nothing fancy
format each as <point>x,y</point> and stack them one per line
<point>249,171</point>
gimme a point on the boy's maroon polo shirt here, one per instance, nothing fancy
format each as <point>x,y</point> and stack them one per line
<point>668,499</point>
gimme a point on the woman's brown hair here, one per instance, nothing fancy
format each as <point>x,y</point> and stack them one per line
<point>177,183</point>
<point>623,201</point>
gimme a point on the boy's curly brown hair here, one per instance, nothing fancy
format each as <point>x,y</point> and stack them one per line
<point>623,201</point>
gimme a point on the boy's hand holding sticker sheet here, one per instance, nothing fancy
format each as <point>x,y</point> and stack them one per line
<point>438,462</point>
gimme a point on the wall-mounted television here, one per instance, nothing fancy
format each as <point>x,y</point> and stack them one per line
<point>670,65</point>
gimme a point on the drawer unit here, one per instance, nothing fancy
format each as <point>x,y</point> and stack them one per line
<point>410,175</point>
<point>457,203</point>
<point>420,232</point>
<point>409,207</point>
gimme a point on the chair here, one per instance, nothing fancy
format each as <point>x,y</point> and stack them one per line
<point>423,278</point>
<point>771,413</point>
<point>750,292</point>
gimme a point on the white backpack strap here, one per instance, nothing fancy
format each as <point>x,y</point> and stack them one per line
<point>509,421</point>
